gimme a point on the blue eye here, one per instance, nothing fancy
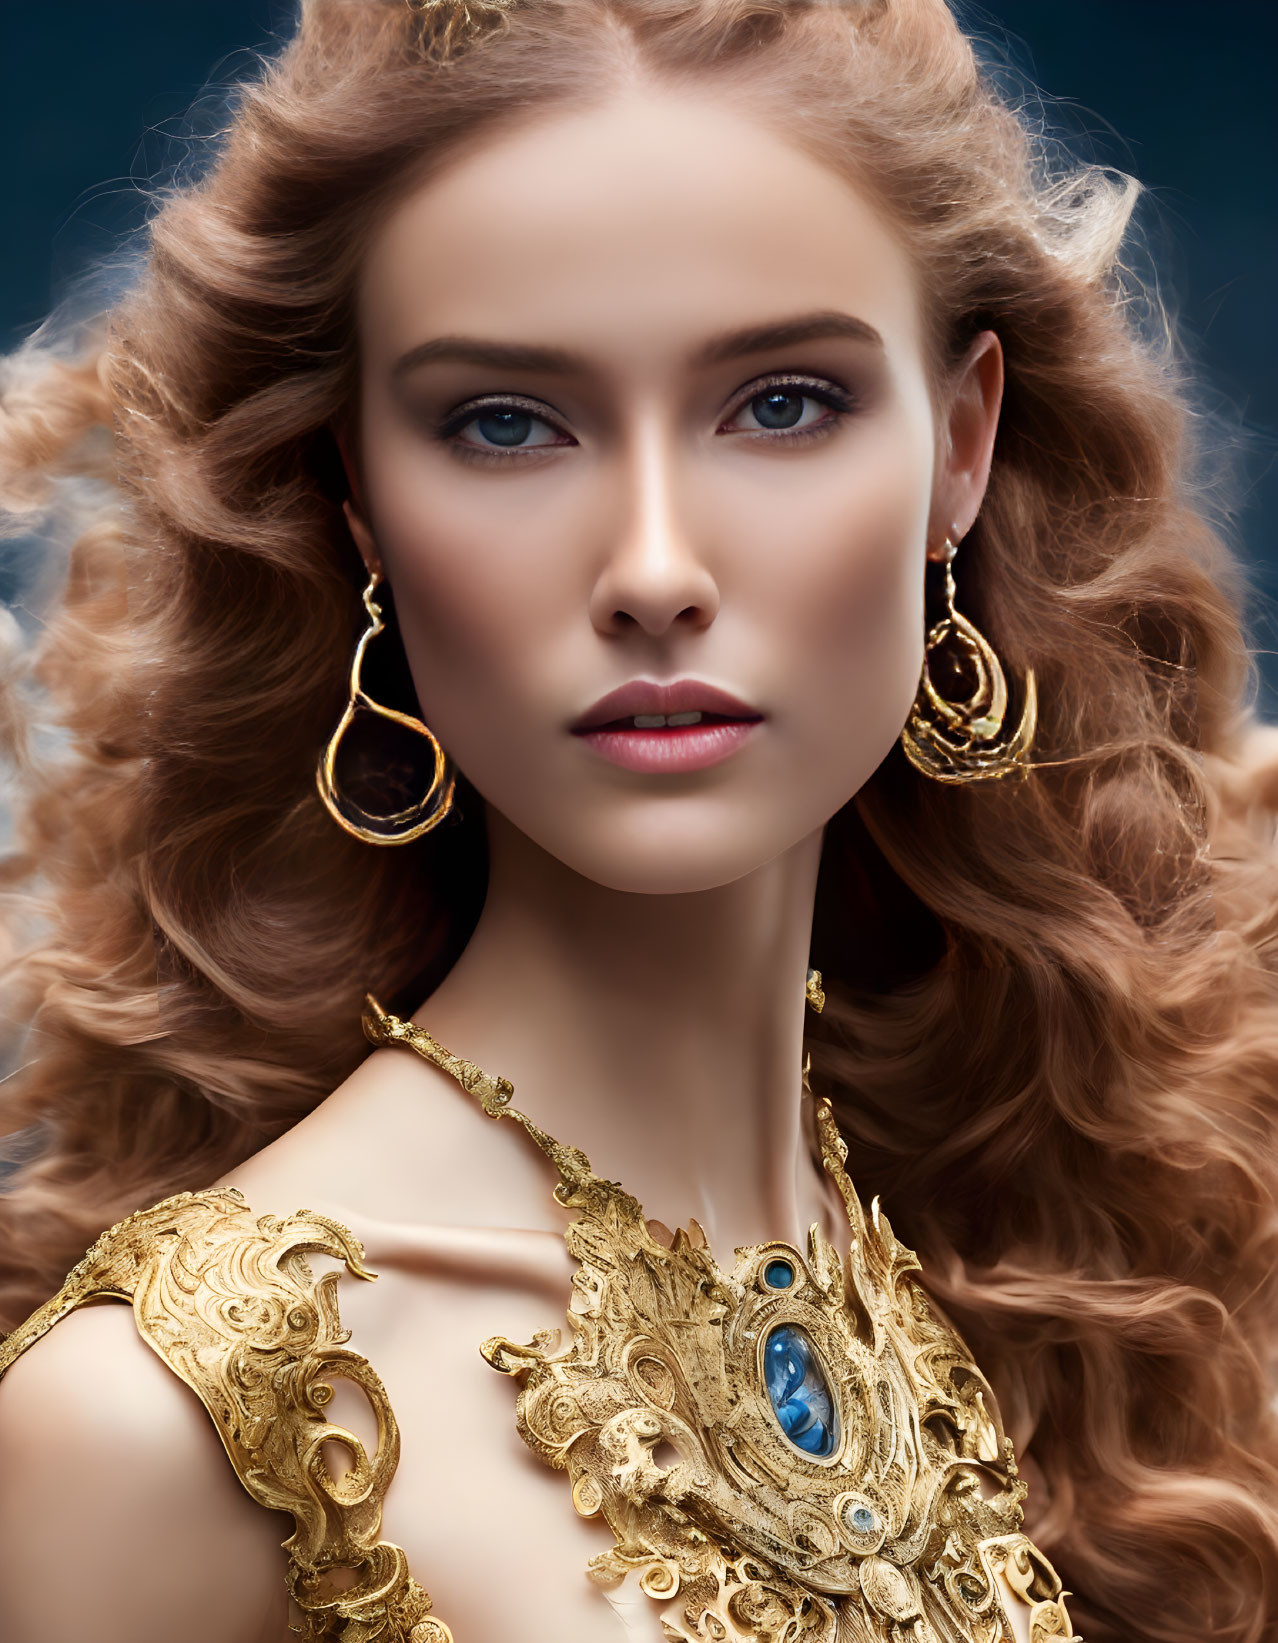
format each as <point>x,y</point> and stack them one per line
<point>504,427</point>
<point>778,409</point>
<point>500,427</point>
<point>794,407</point>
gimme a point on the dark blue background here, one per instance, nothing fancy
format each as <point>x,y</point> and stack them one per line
<point>1176,91</point>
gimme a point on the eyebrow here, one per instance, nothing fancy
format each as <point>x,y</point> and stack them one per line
<point>729,345</point>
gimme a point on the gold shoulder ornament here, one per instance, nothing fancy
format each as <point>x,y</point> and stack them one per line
<point>229,1302</point>
<point>801,1450</point>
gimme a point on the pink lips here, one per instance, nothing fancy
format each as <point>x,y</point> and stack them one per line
<point>727,724</point>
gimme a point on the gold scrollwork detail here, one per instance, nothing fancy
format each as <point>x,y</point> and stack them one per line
<point>657,1408</point>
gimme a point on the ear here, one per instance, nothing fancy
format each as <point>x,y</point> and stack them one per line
<point>967,443</point>
<point>362,536</point>
<point>353,508</point>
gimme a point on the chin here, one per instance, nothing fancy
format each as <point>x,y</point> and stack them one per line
<point>663,879</point>
<point>661,867</point>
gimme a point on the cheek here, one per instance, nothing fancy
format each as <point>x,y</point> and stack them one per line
<point>477,648</point>
<point>867,604</point>
<point>476,593</point>
<point>847,607</point>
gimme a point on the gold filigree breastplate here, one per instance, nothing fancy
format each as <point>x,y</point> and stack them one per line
<point>800,1451</point>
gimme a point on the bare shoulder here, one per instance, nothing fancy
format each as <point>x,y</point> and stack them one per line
<point>121,1517</point>
<point>387,1144</point>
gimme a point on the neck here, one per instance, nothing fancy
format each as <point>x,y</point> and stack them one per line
<point>661,1034</point>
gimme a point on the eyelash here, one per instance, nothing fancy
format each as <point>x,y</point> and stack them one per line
<point>834,398</point>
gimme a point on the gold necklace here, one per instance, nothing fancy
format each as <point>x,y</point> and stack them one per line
<point>801,1449</point>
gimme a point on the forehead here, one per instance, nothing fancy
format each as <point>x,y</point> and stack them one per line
<point>631,231</point>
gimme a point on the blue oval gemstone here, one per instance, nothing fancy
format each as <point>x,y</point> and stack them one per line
<point>780,1274</point>
<point>798,1390</point>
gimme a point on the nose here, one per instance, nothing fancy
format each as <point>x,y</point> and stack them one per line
<point>654,578</point>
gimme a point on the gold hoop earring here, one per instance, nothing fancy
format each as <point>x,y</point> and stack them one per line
<point>400,826</point>
<point>963,741</point>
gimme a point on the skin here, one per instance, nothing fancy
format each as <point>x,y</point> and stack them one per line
<point>638,968</point>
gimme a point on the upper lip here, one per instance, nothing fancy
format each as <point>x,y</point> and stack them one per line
<point>647,696</point>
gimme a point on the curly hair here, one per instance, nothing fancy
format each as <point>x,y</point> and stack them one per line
<point>1052,1040</point>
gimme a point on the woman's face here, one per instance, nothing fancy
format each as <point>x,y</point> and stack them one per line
<point>645,405</point>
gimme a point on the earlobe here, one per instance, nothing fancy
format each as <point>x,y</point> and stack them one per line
<point>939,548</point>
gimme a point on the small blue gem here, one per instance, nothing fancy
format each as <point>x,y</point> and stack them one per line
<point>863,1520</point>
<point>798,1390</point>
<point>780,1274</point>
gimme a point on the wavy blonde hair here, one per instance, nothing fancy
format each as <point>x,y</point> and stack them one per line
<point>1053,1043</point>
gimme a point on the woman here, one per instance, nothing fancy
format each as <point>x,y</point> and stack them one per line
<point>650,353</point>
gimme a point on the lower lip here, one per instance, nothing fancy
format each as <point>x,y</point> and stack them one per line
<point>683,747</point>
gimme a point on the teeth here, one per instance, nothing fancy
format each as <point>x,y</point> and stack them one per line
<point>658,721</point>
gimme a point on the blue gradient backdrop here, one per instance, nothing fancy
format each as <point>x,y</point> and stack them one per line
<point>1178,92</point>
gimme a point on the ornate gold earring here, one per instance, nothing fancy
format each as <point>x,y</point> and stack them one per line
<point>963,741</point>
<point>415,819</point>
